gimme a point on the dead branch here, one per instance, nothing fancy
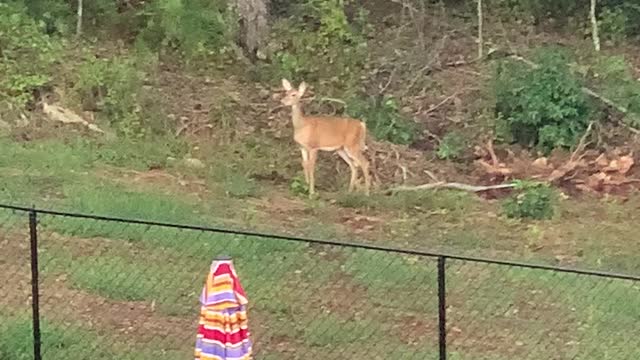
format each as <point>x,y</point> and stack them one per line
<point>431,175</point>
<point>333,100</point>
<point>435,107</point>
<point>492,152</point>
<point>65,116</point>
<point>574,161</point>
<point>452,185</point>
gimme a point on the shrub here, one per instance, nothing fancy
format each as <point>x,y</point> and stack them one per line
<point>299,186</point>
<point>542,106</point>
<point>114,86</point>
<point>613,24</point>
<point>452,146</point>
<point>194,27</point>
<point>615,79</point>
<point>326,46</point>
<point>538,10</point>
<point>383,119</point>
<point>619,19</point>
<point>27,55</point>
<point>532,201</point>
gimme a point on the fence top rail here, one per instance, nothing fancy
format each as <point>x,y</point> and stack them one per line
<point>345,244</point>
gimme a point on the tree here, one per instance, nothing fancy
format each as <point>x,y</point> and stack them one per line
<point>594,26</point>
<point>253,25</point>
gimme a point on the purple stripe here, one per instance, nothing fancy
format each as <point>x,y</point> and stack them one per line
<point>224,352</point>
<point>219,297</point>
<point>229,311</point>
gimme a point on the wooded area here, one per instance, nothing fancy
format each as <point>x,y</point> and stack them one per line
<point>406,67</point>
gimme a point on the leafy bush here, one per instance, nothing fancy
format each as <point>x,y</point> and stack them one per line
<point>613,24</point>
<point>194,27</point>
<point>614,78</point>
<point>56,16</point>
<point>542,106</point>
<point>383,119</point>
<point>538,10</point>
<point>115,87</point>
<point>326,46</point>
<point>533,201</point>
<point>299,186</point>
<point>619,19</point>
<point>27,55</point>
<point>452,146</point>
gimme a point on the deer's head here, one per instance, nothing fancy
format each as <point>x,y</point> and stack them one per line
<point>292,96</point>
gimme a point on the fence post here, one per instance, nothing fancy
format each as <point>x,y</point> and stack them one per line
<point>35,281</point>
<point>442,308</point>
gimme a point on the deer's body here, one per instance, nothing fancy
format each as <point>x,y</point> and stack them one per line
<point>345,136</point>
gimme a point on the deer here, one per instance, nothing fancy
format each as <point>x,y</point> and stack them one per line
<point>342,135</point>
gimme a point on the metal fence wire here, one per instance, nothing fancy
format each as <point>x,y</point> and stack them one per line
<point>87,287</point>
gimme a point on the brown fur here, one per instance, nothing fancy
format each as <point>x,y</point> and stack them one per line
<point>345,136</point>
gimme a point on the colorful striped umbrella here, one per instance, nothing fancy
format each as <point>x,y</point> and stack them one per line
<point>223,332</point>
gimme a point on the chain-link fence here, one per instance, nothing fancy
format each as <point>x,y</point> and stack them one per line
<point>102,288</point>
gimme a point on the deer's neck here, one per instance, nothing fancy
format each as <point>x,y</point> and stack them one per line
<point>297,116</point>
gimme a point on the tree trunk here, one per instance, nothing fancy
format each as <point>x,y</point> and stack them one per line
<point>480,37</point>
<point>254,25</point>
<point>79,20</point>
<point>594,26</point>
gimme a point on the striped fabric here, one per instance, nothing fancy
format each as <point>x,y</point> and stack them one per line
<point>223,332</point>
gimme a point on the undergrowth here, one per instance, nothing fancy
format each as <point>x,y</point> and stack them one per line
<point>115,88</point>
<point>383,118</point>
<point>541,106</point>
<point>27,55</point>
<point>532,201</point>
<point>327,46</point>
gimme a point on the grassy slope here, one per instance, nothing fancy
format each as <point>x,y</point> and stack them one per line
<point>88,262</point>
<point>101,281</point>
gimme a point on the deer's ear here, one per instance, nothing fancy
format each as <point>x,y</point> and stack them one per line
<point>286,84</point>
<point>302,88</point>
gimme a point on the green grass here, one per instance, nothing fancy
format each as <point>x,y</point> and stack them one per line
<point>443,201</point>
<point>543,312</point>
<point>63,342</point>
<point>332,296</point>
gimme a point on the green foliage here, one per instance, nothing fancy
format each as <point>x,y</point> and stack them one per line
<point>56,16</point>
<point>539,10</point>
<point>27,55</point>
<point>543,106</point>
<point>116,86</point>
<point>383,119</point>
<point>615,79</point>
<point>533,201</point>
<point>239,186</point>
<point>194,27</point>
<point>452,146</point>
<point>299,186</point>
<point>327,46</point>
<point>613,24</point>
<point>619,19</point>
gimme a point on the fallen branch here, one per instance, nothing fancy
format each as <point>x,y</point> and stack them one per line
<point>452,185</point>
<point>62,115</point>
<point>574,161</point>
<point>446,100</point>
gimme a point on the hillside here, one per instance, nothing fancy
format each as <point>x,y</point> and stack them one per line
<point>192,131</point>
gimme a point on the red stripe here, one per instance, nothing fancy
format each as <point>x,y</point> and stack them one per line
<point>222,336</point>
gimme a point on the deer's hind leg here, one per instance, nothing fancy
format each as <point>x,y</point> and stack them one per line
<point>354,169</point>
<point>359,159</point>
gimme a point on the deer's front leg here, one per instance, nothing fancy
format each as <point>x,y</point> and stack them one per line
<point>311,166</point>
<point>305,164</point>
